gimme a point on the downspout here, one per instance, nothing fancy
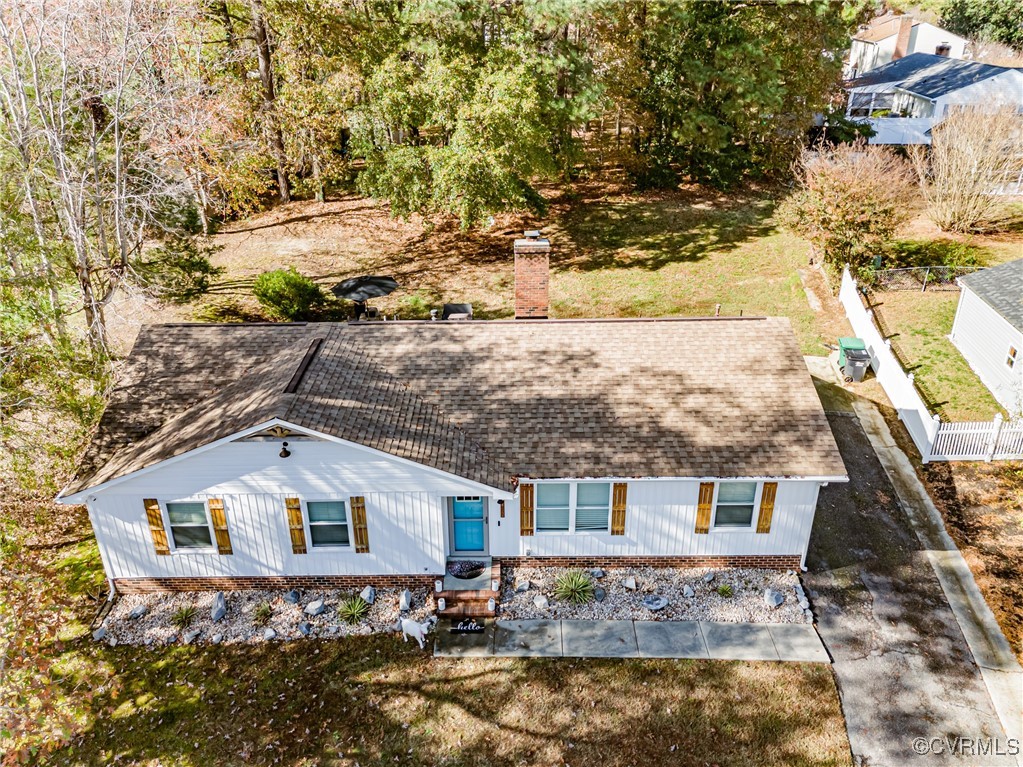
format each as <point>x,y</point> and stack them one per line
<point>111,588</point>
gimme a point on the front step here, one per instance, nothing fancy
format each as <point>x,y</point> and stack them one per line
<point>470,603</point>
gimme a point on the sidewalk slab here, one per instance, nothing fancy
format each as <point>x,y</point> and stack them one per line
<point>739,641</point>
<point>798,642</point>
<point>528,639</point>
<point>598,639</point>
<point>670,639</point>
<point>450,645</point>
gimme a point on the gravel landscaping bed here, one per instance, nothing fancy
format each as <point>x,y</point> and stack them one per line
<point>746,603</point>
<point>238,624</point>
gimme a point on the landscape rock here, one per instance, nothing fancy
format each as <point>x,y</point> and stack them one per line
<point>112,641</point>
<point>100,634</point>
<point>305,628</point>
<point>687,591</point>
<point>808,614</point>
<point>138,612</point>
<point>219,609</point>
<point>804,604</point>
<point>171,639</point>
<point>217,638</point>
<point>541,602</point>
<point>599,594</point>
<point>596,572</point>
<point>521,586</point>
<point>292,597</point>
<point>405,602</point>
<point>190,636</point>
<point>773,599</point>
<point>655,602</point>
<point>269,634</point>
<point>708,577</point>
<point>315,608</point>
<point>629,583</point>
<point>369,595</point>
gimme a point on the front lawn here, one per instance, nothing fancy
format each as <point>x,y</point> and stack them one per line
<point>375,701</point>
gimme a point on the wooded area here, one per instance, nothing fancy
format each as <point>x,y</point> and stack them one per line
<point>131,128</point>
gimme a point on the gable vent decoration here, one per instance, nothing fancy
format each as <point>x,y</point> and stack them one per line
<point>278,431</point>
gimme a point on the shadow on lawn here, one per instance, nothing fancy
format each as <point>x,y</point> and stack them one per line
<point>374,701</point>
<point>653,233</point>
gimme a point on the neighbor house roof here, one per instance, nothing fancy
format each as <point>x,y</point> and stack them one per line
<point>881,28</point>
<point>489,401</point>
<point>898,70</point>
<point>1001,287</point>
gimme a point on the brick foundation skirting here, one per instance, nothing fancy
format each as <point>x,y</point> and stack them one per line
<point>307,582</point>
<point>763,561</point>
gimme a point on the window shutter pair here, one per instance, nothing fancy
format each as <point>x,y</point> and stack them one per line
<point>159,533</point>
<point>527,508</point>
<point>705,507</point>
<point>357,519</point>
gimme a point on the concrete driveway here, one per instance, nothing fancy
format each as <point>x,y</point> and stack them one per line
<point>904,669</point>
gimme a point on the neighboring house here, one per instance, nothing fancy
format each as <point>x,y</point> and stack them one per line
<point>988,330</point>
<point>340,454</point>
<point>889,38</point>
<point>903,100</point>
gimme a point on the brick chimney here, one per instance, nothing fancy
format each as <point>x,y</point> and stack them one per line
<point>532,273</point>
<point>902,41</point>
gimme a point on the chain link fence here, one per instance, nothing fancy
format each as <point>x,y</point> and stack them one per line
<point>921,278</point>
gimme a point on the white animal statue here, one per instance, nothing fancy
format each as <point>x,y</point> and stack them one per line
<point>418,631</point>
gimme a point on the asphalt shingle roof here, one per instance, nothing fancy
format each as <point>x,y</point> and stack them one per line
<point>489,401</point>
<point>928,75</point>
<point>1001,287</point>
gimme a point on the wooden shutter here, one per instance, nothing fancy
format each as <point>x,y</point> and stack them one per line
<point>526,514</point>
<point>156,529</point>
<point>295,527</point>
<point>766,507</point>
<point>359,528</point>
<point>704,508</point>
<point>619,495</point>
<point>220,525</point>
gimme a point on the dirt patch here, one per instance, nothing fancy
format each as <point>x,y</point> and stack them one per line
<point>982,505</point>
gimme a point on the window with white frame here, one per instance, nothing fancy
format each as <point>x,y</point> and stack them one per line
<point>328,523</point>
<point>189,525</point>
<point>733,506</point>
<point>582,507</point>
<point>1010,358</point>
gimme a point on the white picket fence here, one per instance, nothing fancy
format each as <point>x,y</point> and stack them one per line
<point>935,439</point>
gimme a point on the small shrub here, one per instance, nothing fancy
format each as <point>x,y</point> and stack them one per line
<point>261,615</point>
<point>352,609</point>
<point>183,617</point>
<point>725,590</point>
<point>287,296</point>
<point>574,586</point>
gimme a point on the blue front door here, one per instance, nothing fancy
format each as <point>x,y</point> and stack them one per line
<point>468,525</point>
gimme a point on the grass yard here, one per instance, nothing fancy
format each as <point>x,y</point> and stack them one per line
<point>615,253</point>
<point>919,324</point>
<point>378,701</point>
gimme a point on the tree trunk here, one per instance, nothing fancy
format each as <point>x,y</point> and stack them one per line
<point>266,77</point>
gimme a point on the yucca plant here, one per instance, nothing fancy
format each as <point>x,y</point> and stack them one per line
<point>183,616</point>
<point>574,586</point>
<point>725,590</point>
<point>261,615</point>
<point>352,609</point>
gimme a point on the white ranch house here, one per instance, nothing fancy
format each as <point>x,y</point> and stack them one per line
<point>988,331</point>
<point>906,98</point>
<point>342,454</point>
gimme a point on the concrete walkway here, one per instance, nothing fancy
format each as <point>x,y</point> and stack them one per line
<point>916,651</point>
<point>636,639</point>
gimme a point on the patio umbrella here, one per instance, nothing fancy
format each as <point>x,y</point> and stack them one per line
<point>360,289</point>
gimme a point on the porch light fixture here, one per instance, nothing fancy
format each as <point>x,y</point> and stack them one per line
<point>284,450</point>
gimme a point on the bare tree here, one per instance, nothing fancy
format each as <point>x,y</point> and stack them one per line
<point>975,154</point>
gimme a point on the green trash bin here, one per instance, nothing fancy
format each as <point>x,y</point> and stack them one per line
<point>845,344</point>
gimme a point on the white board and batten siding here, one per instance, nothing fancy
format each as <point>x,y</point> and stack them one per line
<point>406,515</point>
<point>984,337</point>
